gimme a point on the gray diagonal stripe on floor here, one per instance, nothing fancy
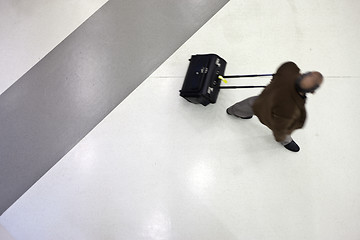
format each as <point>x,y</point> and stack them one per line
<point>54,105</point>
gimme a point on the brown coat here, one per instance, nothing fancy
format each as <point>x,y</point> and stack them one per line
<point>280,107</point>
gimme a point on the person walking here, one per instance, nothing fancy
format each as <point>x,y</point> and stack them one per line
<point>281,106</point>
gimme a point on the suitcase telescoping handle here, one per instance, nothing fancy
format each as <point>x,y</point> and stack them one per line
<point>243,76</point>
<point>250,75</point>
<point>233,87</point>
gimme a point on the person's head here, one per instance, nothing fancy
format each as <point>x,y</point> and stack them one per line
<point>309,82</point>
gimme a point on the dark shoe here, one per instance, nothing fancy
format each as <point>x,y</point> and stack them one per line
<point>292,146</point>
<point>227,111</point>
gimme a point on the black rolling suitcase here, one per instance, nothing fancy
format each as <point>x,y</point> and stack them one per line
<point>203,79</point>
<point>202,83</point>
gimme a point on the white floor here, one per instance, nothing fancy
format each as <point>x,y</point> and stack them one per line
<point>159,167</point>
<point>31,29</point>
<point>4,234</point>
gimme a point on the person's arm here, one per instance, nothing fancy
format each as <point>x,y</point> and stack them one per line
<point>285,72</point>
<point>288,67</point>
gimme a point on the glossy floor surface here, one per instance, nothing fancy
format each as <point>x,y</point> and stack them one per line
<point>55,104</point>
<point>159,167</point>
<point>31,29</point>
